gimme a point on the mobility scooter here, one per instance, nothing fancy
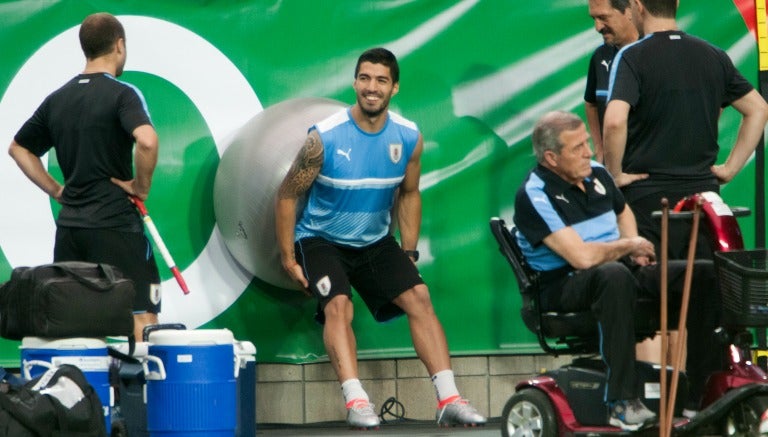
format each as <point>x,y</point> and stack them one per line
<point>569,401</point>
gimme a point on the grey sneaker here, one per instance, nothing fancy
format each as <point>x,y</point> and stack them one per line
<point>459,412</point>
<point>631,415</point>
<point>362,415</point>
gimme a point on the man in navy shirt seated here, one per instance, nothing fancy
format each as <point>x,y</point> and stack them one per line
<point>577,230</point>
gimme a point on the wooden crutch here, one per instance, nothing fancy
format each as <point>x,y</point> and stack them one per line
<point>663,322</point>
<point>681,331</point>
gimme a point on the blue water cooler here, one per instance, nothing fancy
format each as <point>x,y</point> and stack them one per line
<point>88,354</point>
<point>191,383</point>
<point>245,352</point>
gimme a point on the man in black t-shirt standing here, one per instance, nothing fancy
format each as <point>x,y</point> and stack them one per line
<point>661,123</point>
<point>613,20</point>
<point>93,122</point>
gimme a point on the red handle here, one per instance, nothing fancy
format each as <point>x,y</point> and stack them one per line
<point>139,205</point>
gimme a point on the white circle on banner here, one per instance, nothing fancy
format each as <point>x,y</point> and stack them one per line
<point>210,80</point>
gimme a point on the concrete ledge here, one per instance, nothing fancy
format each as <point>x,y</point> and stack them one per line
<point>310,393</point>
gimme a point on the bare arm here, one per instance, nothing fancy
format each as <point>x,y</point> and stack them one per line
<point>582,255</point>
<point>593,121</point>
<point>409,201</point>
<point>627,223</point>
<point>32,167</point>
<point>755,114</point>
<point>145,160</point>
<point>615,142</point>
<point>297,181</point>
<point>628,229</point>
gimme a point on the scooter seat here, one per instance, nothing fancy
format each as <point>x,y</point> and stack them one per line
<point>577,330</point>
<point>579,324</point>
<point>583,324</point>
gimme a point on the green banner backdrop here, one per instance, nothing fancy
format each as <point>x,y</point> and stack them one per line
<point>475,74</point>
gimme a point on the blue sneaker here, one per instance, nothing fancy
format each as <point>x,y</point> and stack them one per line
<point>631,415</point>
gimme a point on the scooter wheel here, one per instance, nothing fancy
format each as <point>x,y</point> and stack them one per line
<point>528,412</point>
<point>745,418</point>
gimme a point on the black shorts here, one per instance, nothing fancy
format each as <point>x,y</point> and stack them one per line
<point>130,252</point>
<point>379,273</point>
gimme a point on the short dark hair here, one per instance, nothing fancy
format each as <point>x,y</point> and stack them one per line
<point>620,5</point>
<point>546,132</point>
<point>661,8</point>
<point>380,55</point>
<point>98,33</point>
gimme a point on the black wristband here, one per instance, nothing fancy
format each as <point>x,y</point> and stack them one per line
<point>413,254</point>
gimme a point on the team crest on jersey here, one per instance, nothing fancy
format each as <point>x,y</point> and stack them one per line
<point>395,152</point>
<point>599,188</point>
<point>324,286</point>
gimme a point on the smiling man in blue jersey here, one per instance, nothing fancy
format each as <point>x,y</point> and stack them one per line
<point>359,168</point>
<point>93,123</point>
<point>576,229</point>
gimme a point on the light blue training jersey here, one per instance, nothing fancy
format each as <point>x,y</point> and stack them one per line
<point>350,201</point>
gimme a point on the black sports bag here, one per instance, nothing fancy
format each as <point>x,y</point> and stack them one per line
<point>59,403</point>
<point>66,299</point>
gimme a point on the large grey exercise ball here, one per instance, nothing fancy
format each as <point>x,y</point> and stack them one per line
<point>249,174</point>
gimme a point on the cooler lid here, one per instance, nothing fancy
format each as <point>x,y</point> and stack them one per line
<point>62,343</point>
<point>244,348</point>
<point>195,337</point>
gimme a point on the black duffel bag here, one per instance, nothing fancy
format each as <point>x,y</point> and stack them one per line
<point>59,403</point>
<point>66,299</point>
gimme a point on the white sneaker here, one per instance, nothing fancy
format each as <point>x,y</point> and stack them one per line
<point>362,415</point>
<point>459,412</point>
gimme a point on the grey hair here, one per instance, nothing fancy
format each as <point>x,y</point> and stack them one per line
<point>546,132</point>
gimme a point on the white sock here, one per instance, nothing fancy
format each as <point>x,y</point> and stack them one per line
<point>353,391</point>
<point>445,385</point>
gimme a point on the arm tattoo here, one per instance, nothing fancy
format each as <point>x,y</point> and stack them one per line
<point>304,169</point>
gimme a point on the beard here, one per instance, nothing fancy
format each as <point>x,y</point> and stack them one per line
<point>375,112</point>
<point>371,113</point>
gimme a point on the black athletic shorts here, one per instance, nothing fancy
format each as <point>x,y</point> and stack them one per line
<point>379,273</point>
<point>130,252</point>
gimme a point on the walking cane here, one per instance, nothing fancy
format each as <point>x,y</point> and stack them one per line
<point>682,334</point>
<point>663,327</point>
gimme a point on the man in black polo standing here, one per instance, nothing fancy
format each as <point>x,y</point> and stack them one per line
<point>613,20</point>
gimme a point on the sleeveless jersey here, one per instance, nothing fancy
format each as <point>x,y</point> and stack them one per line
<point>350,202</point>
